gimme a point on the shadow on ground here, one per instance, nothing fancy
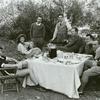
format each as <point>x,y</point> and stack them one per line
<point>31,93</point>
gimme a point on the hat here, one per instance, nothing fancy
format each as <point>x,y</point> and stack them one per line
<point>18,38</point>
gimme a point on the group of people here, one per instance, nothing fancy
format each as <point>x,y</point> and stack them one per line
<point>66,38</point>
<point>29,49</point>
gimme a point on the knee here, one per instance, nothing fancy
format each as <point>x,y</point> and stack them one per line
<point>85,73</point>
<point>30,71</point>
<point>85,76</point>
<point>87,65</point>
<point>24,64</point>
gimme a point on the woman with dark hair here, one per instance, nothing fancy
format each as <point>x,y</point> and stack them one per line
<point>26,47</point>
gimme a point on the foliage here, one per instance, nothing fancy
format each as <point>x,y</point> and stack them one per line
<point>95,27</point>
<point>26,17</point>
<point>29,11</point>
<point>75,12</point>
<point>29,14</point>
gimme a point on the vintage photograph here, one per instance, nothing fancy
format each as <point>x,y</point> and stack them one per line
<point>49,49</point>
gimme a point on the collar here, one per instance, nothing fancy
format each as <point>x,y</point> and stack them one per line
<point>38,24</point>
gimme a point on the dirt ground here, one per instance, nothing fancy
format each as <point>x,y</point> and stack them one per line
<point>30,93</point>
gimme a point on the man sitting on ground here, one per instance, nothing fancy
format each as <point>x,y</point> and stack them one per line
<point>75,42</point>
<point>91,67</point>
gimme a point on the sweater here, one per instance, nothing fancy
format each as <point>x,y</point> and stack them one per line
<point>37,31</point>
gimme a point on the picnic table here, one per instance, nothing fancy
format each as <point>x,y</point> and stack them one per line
<point>61,74</point>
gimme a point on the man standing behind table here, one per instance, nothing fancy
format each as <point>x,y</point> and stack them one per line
<point>60,33</point>
<point>37,33</point>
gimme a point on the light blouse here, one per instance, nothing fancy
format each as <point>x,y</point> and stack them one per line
<point>23,48</point>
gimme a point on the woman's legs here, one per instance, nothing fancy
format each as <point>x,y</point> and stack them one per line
<point>32,76</point>
<point>9,65</point>
<point>20,65</point>
<point>23,72</point>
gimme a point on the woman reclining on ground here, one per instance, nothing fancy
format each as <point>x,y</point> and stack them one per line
<point>26,48</point>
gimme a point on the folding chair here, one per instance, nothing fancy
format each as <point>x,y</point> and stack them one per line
<point>6,77</point>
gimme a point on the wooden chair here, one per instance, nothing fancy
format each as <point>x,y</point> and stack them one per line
<point>6,77</point>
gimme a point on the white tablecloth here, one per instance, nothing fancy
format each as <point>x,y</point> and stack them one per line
<point>60,77</point>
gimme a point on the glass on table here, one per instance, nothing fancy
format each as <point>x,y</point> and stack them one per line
<point>59,54</point>
<point>66,57</point>
<point>44,51</point>
<point>45,57</point>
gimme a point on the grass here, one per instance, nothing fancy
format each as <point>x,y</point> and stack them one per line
<point>92,91</point>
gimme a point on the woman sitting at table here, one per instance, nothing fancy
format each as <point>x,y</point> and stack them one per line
<point>26,47</point>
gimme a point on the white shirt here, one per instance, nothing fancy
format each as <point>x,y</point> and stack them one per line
<point>23,48</point>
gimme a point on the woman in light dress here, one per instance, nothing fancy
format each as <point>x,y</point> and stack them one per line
<point>26,48</point>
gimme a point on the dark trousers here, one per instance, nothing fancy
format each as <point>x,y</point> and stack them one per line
<point>38,42</point>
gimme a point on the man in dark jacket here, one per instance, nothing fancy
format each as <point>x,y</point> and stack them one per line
<point>37,33</point>
<point>75,42</point>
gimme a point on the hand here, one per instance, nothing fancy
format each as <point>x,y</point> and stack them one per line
<point>2,65</point>
<point>51,40</point>
<point>66,41</point>
<point>16,61</point>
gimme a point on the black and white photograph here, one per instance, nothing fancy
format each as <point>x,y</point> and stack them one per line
<point>49,49</point>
